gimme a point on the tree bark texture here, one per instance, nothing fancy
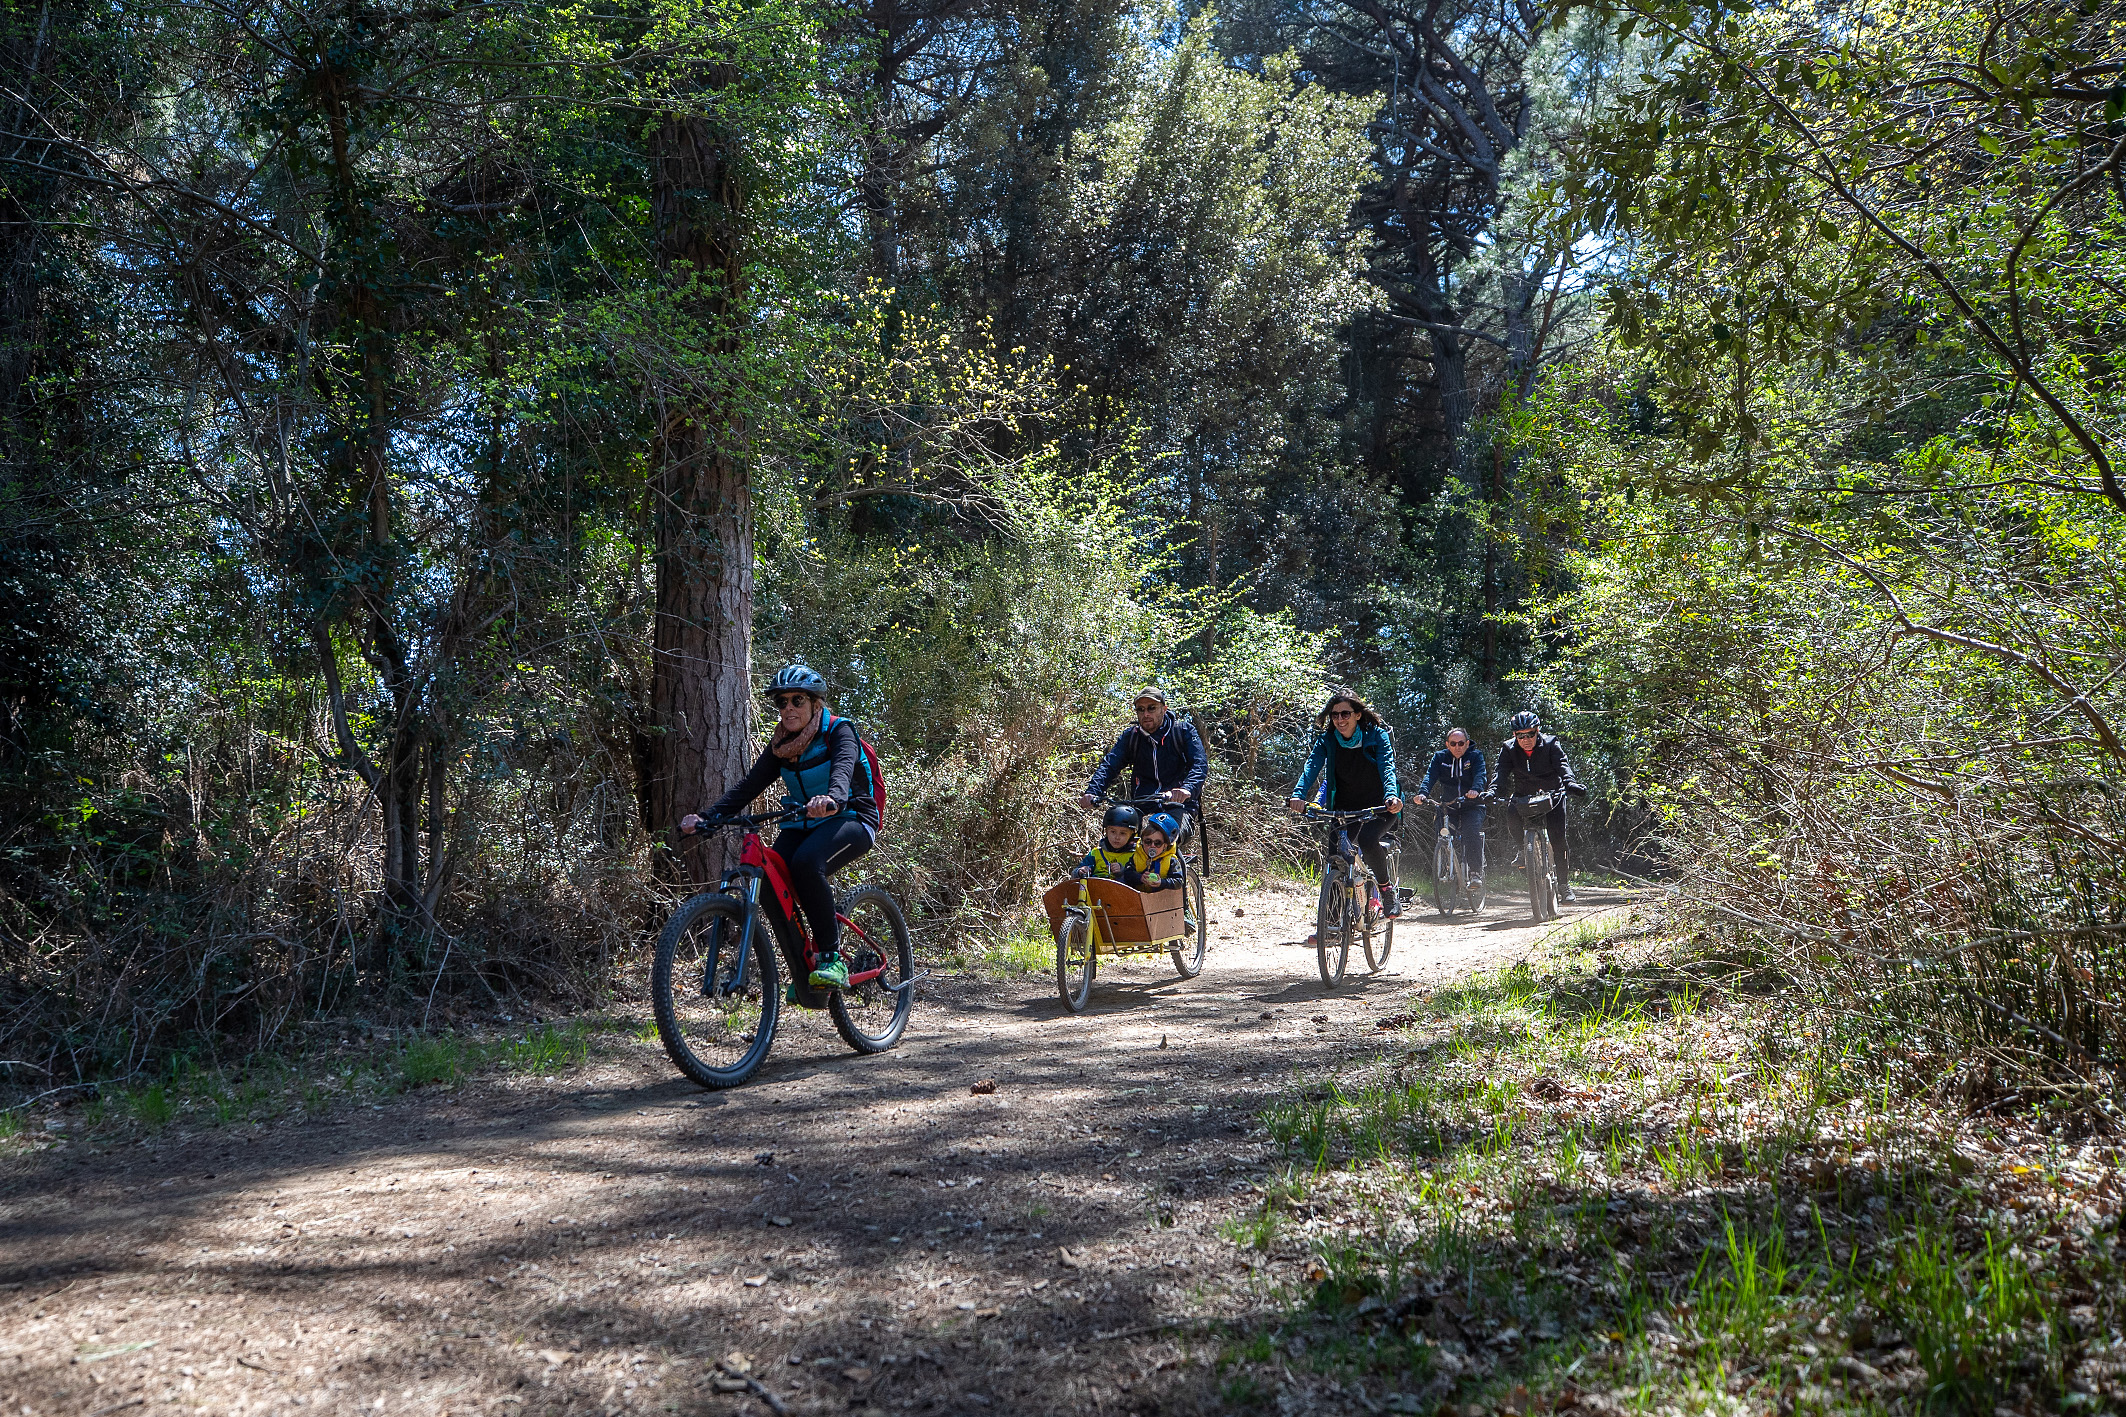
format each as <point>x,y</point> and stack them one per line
<point>32,558</point>
<point>701,706</point>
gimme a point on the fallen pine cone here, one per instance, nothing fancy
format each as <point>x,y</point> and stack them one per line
<point>984,1086</point>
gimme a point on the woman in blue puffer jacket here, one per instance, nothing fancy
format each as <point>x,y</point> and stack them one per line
<point>1354,763</point>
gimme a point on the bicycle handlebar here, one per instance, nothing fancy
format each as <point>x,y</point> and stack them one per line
<point>1317,814</point>
<point>1187,804</point>
<point>747,819</point>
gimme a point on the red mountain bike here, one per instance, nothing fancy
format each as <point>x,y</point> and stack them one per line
<point>713,984</point>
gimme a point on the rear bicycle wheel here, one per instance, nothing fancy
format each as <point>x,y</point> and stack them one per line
<point>1188,955</point>
<point>871,1017</point>
<point>1074,962</point>
<point>716,1012</point>
<point>1332,927</point>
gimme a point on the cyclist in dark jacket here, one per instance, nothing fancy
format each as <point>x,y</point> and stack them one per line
<point>1354,761</point>
<point>1534,761</point>
<point>1458,774</point>
<point>823,769</point>
<point>1164,755</point>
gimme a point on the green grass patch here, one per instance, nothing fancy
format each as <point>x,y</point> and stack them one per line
<point>1025,948</point>
<point>1644,1189</point>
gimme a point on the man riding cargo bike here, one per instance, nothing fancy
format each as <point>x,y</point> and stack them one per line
<point>1166,762</point>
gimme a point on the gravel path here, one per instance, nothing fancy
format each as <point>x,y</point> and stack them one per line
<point>844,1234</point>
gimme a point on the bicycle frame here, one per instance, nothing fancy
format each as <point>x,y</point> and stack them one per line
<point>1357,872</point>
<point>1446,822</point>
<point>756,862</point>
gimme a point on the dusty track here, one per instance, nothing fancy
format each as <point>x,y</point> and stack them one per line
<point>867,1232</point>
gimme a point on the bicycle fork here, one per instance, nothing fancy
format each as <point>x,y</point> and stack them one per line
<point>1354,884</point>
<point>750,894</point>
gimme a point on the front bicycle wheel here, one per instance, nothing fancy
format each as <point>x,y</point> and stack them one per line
<point>1443,876</point>
<point>1332,927</point>
<point>1380,940</point>
<point>1542,891</point>
<point>1074,962</point>
<point>1188,955</point>
<point>714,989</point>
<point>871,1016</point>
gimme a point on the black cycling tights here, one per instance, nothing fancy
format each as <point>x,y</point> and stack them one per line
<point>1368,840</point>
<point>812,855</point>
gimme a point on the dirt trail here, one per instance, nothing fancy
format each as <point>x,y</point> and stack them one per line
<point>869,1233</point>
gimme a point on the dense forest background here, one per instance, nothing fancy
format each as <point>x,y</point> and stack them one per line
<point>422,426</point>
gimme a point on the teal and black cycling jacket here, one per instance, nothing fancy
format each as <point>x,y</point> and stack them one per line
<point>1372,741</point>
<point>832,766</point>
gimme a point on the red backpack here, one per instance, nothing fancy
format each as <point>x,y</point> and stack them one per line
<point>878,776</point>
<point>871,766</point>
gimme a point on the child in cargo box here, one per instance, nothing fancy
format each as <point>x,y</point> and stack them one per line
<point>1115,857</point>
<point>1160,867</point>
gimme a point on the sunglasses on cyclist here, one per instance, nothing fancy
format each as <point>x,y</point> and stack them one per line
<point>1526,733</point>
<point>783,701</point>
<point>1343,713</point>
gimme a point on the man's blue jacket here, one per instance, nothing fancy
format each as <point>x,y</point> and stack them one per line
<point>1456,777</point>
<point>1158,762</point>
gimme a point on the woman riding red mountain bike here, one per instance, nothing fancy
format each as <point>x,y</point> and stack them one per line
<point>822,765</point>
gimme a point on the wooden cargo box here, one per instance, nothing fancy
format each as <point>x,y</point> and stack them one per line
<point>1127,916</point>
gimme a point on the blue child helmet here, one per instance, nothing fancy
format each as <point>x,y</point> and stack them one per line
<point>1165,823</point>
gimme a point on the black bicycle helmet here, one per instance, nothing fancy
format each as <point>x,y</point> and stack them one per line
<point>798,678</point>
<point>1122,815</point>
<point>1525,719</point>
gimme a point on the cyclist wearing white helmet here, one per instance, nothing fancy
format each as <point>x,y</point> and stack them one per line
<point>821,763</point>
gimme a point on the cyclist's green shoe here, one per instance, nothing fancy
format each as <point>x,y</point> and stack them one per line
<point>830,973</point>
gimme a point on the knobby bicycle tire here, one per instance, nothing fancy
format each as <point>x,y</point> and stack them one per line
<point>1074,962</point>
<point>698,1001</point>
<point>1443,885</point>
<point>886,1009</point>
<point>1189,960</point>
<point>1542,889</point>
<point>1377,959</point>
<point>1332,926</point>
<point>1369,917</point>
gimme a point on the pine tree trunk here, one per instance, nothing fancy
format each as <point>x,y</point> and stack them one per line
<point>1450,366</point>
<point>701,708</point>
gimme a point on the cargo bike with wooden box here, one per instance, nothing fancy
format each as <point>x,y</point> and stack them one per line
<point>1096,916</point>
